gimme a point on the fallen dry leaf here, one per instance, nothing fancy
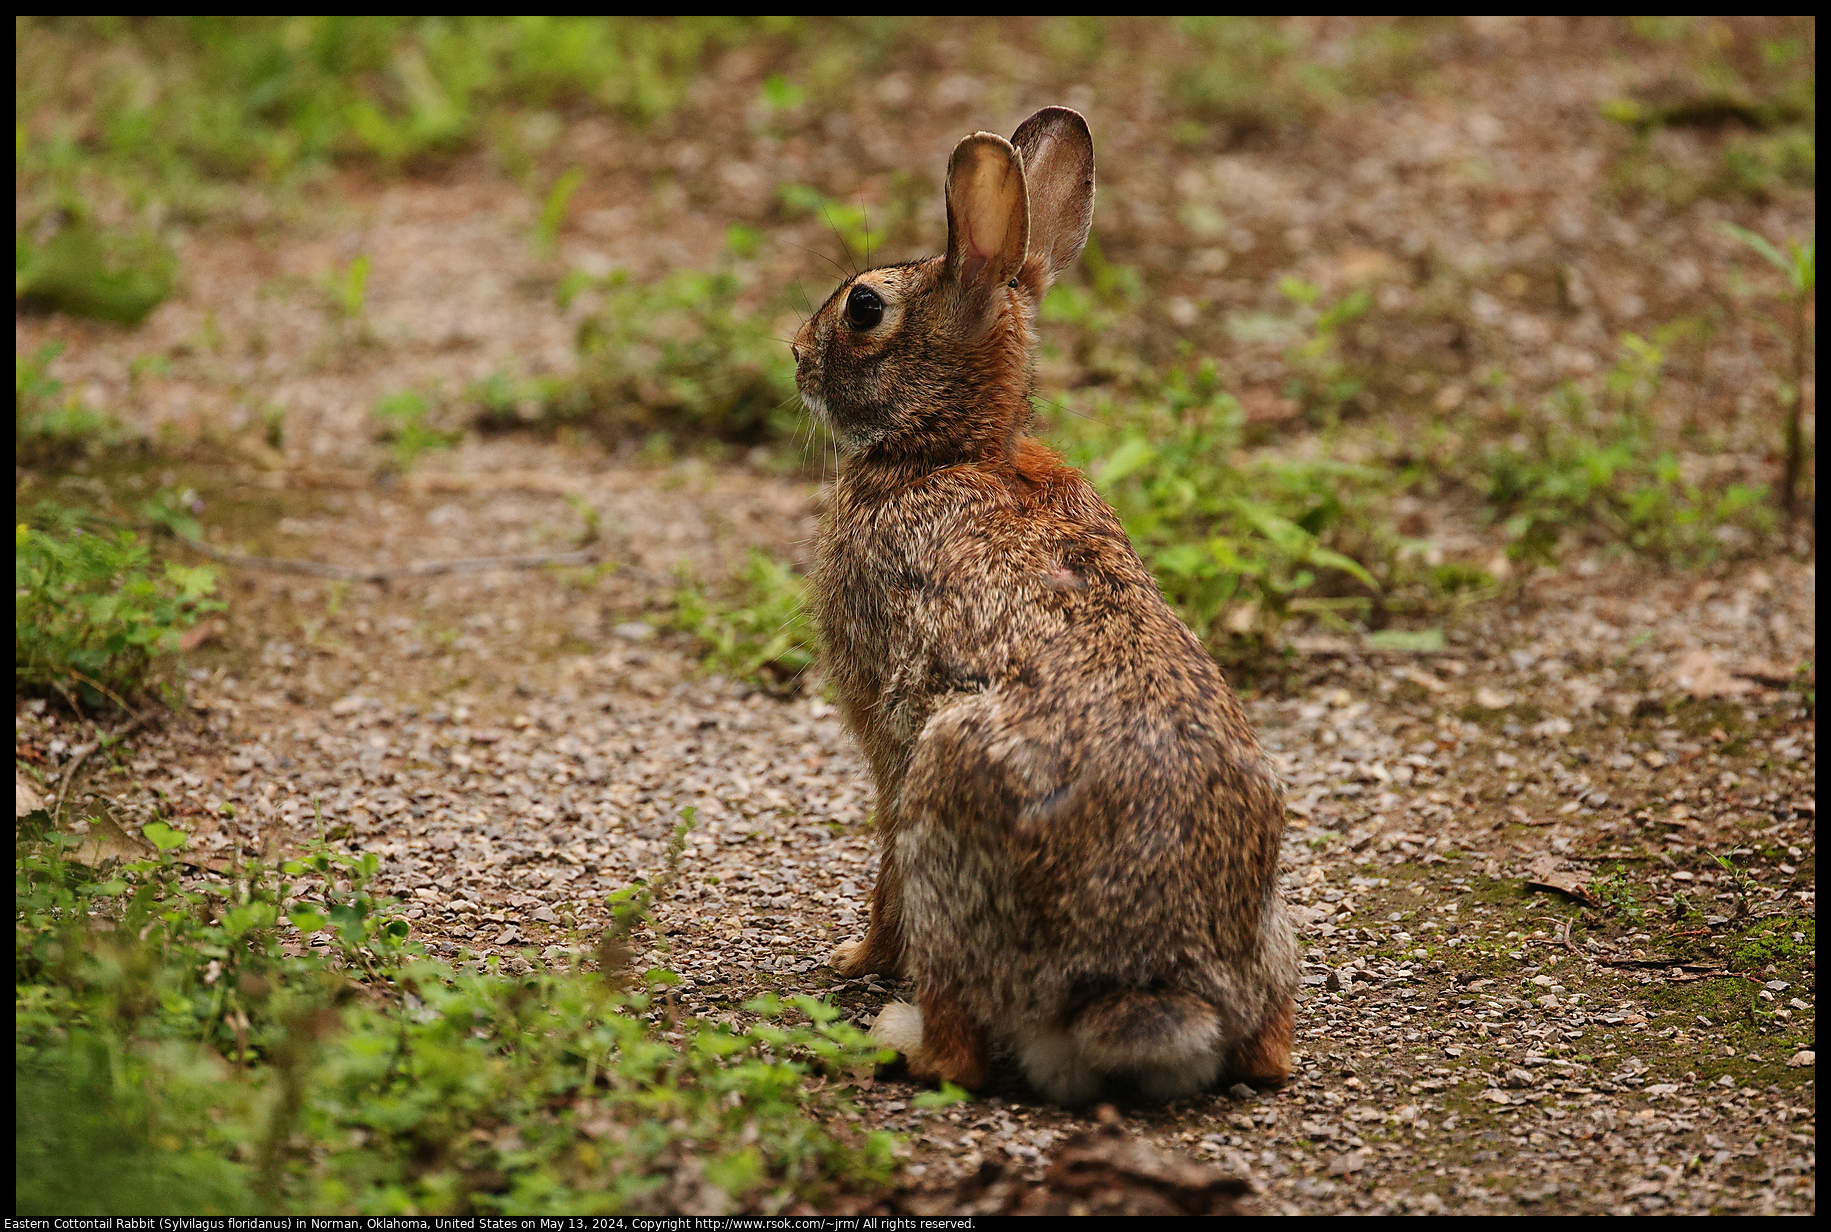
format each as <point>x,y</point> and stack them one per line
<point>25,795</point>
<point>1698,673</point>
<point>1544,873</point>
<point>200,635</point>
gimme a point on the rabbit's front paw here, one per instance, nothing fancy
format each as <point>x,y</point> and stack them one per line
<point>847,959</point>
<point>871,956</point>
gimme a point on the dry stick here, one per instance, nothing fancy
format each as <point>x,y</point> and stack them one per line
<point>431,568</point>
<point>76,764</point>
<point>1689,973</point>
<point>1795,444</point>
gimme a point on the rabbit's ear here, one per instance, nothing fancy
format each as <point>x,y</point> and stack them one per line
<point>1059,173</point>
<point>988,215</point>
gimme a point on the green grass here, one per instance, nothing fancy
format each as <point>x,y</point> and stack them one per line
<point>682,355</point>
<point>1240,542</point>
<point>1596,469</point>
<point>180,1049</point>
<point>86,270</point>
<point>93,618</point>
<point>51,426</point>
<point>757,629</point>
<point>404,424</point>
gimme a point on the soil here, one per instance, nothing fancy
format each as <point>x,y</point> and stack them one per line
<point>1556,881</point>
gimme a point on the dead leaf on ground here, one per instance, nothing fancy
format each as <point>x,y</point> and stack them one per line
<point>108,843</point>
<point>1767,671</point>
<point>1423,678</point>
<point>1097,1172</point>
<point>26,796</point>
<point>200,635</point>
<point>1265,406</point>
<point>1698,673</point>
<point>1545,873</point>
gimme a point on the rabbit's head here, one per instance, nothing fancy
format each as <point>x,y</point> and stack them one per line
<point>932,358</point>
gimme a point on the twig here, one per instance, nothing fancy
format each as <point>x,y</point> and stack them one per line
<point>430,568</point>
<point>76,763</point>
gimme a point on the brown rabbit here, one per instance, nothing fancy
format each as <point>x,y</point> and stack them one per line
<point>1080,830</point>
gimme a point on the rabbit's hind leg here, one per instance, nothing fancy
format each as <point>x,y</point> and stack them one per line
<point>881,951</point>
<point>953,1047</point>
<point>1265,1059</point>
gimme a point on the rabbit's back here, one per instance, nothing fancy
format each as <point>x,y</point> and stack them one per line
<point>1077,782</point>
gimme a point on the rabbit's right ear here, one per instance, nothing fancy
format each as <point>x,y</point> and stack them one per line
<point>1059,171</point>
<point>988,219</point>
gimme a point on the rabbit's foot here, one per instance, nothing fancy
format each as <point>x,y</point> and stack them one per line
<point>953,1047</point>
<point>871,956</point>
<point>1265,1059</point>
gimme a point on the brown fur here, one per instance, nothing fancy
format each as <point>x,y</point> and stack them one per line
<point>1265,1059</point>
<point>953,1043</point>
<point>1071,802</point>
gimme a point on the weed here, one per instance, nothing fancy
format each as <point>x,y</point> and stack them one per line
<point>181,1047</point>
<point>1253,75</point>
<point>169,106</point>
<point>347,292</point>
<point>1617,894</point>
<point>681,356</point>
<point>92,617</point>
<point>1238,544</point>
<point>403,417</point>
<point>1092,304</point>
<point>1595,467</point>
<point>1320,381</point>
<point>50,425</point>
<point>1799,266</point>
<point>553,211</point>
<point>1739,879</point>
<point>88,271</point>
<point>761,632</point>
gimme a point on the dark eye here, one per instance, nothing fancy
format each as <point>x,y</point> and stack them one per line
<point>864,309</point>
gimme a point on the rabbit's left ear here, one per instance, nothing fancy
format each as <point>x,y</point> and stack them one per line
<point>1058,153</point>
<point>988,218</point>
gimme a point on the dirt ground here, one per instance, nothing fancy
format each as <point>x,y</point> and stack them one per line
<point>1529,982</point>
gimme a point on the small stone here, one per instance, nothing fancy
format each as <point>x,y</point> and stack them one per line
<point>1240,1090</point>
<point>1802,1058</point>
<point>634,631</point>
<point>1517,1078</point>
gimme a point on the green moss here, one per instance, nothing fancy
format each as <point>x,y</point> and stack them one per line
<point>1771,941</point>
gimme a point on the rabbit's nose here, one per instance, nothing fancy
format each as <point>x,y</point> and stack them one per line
<point>795,349</point>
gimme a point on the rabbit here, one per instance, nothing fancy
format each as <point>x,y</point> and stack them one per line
<point>1080,830</point>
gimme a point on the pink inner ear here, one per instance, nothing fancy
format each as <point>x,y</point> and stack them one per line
<point>974,247</point>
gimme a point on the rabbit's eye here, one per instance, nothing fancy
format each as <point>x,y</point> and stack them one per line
<point>864,309</point>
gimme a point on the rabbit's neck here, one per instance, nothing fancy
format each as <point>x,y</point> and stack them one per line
<point>990,433</point>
